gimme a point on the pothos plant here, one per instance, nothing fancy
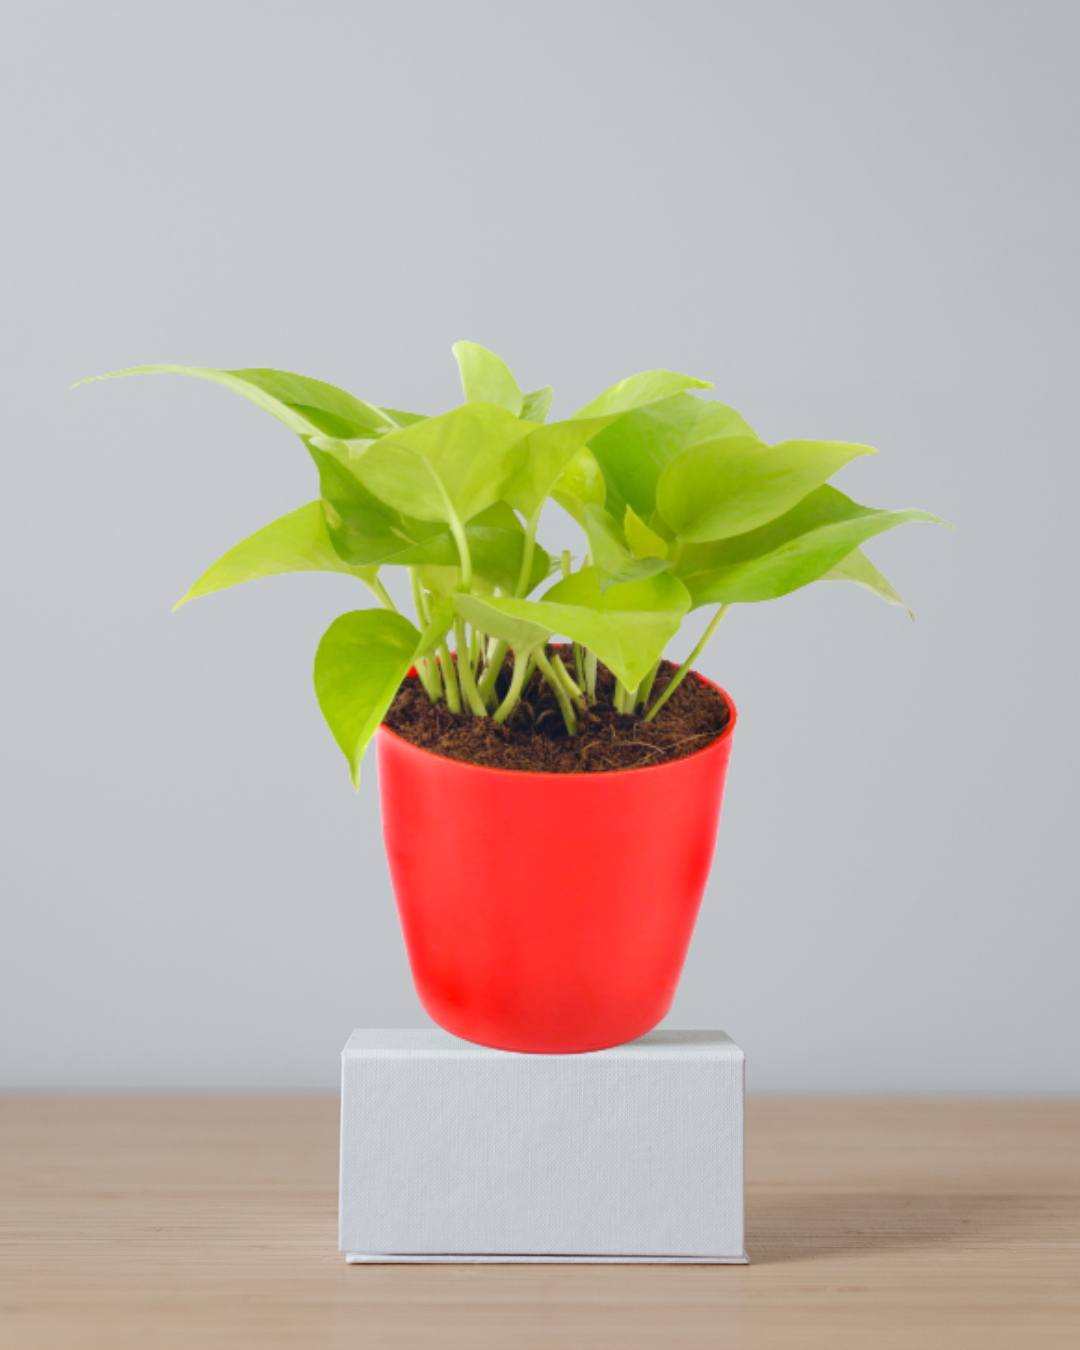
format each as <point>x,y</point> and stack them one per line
<point>681,505</point>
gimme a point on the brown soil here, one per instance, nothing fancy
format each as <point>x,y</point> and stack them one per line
<point>534,738</point>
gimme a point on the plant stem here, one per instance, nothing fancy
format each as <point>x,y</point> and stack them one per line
<point>684,669</point>
<point>565,563</point>
<point>579,667</point>
<point>522,666</point>
<point>474,649</point>
<point>558,690</point>
<point>527,553</point>
<point>590,676</point>
<point>567,683</point>
<point>495,664</point>
<point>423,616</point>
<point>465,671</point>
<point>428,670</point>
<point>453,697</point>
<point>378,590</point>
<point>645,687</point>
<point>458,531</point>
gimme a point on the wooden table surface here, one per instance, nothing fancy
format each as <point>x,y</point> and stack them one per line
<point>162,1222</point>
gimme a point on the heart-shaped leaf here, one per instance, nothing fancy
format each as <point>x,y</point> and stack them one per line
<point>580,485</point>
<point>636,390</point>
<point>365,531</point>
<point>858,568</point>
<point>486,378</point>
<point>642,542</point>
<point>298,542</point>
<point>308,407</point>
<point>612,556</point>
<point>634,451</point>
<point>446,469</point>
<point>535,406</point>
<point>522,635</point>
<point>788,553</point>
<point>729,486</point>
<point>627,626</point>
<point>359,666</point>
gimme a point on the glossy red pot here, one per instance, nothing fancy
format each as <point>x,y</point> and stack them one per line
<point>542,912</point>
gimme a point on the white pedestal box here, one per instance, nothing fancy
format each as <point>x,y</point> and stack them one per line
<point>452,1152</point>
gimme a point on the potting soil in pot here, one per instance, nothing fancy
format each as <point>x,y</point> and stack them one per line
<point>534,738</point>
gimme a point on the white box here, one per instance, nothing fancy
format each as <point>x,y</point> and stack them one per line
<point>453,1152</point>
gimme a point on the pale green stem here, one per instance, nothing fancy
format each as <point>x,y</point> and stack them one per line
<point>428,670</point>
<point>527,553</point>
<point>465,671</point>
<point>495,664</point>
<point>590,676</point>
<point>423,617</point>
<point>568,684</point>
<point>474,649</point>
<point>684,669</point>
<point>579,666</point>
<point>645,687</point>
<point>378,590</point>
<point>522,666</point>
<point>458,531</point>
<point>557,689</point>
<point>619,695</point>
<point>453,697</point>
<point>565,564</point>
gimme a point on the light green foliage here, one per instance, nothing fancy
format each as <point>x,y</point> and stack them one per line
<point>359,664</point>
<point>635,451</point>
<point>788,553</point>
<point>627,626</point>
<point>717,489</point>
<point>308,407</point>
<point>858,568</point>
<point>642,542</point>
<point>433,471</point>
<point>638,390</point>
<point>580,485</point>
<point>486,378</point>
<point>680,503</point>
<point>297,542</point>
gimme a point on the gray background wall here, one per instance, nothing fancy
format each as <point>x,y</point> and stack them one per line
<point>858,219</point>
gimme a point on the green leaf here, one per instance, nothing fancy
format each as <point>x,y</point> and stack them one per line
<point>858,568</point>
<point>440,623</point>
<point>614,560</point>
<point>521,634</point>
<point>788,553</point>
<point>536,405</point>
<point>445,468</point>
<point>643,542</point>
<point>636,390</point>
<point>486,378</point>
<point>359,665</point>
<point>365,531</point>
<point>636,449</point>
<point>721,488</point>
<point>308,407</point>
<point>546,457</point>
<point>298,542</point>
<point>627,626</point>
<point>580,485</point>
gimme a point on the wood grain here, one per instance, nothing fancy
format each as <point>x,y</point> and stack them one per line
<point>168,1222</point>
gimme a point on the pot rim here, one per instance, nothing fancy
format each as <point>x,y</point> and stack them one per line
<point>725,735</point>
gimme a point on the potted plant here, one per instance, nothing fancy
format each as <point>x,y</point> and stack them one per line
<point>550,811</point>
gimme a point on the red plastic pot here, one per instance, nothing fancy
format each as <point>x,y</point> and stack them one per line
<point>548,913</point>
